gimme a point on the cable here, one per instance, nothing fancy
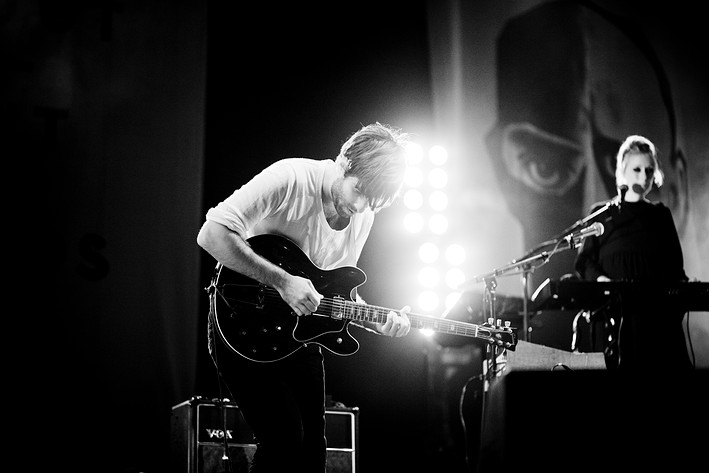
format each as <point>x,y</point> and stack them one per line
<point>221,383</point>
<point>689,340</point>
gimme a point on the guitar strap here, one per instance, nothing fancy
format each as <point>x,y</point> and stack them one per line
<point>211,340</point>
<point>212,293</point>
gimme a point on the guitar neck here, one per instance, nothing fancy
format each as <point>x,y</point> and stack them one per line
<point>370,313</point>
<point>340,308</point>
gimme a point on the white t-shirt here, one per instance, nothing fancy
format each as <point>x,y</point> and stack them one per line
<point>286,199</point>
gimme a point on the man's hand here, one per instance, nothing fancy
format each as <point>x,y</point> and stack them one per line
<point>300,294</point>
<point>397,325</point>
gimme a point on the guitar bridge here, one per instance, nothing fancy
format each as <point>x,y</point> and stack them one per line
<point>261,297</point>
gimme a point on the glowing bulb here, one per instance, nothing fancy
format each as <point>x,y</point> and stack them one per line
<point>413,199</point>
<point>413,222</point>
<point>428,300</point>
<point>413,177</point>
<point>454,277</point>
<point>438,155</point>
<point>455,254</point>
<point>438,178</point>
<point>414,153</point>
<point>428,252</point>
<point>438,200</point>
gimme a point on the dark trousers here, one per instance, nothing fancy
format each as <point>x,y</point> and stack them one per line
<point>284,404</point>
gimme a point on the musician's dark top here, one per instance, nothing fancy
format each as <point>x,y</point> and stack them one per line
<point>639,245</point>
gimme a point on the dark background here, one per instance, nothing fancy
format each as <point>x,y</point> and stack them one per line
<point>298,84</point>
<point>123,122</point>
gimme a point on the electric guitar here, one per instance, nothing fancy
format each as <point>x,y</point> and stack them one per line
<point>253,320</point>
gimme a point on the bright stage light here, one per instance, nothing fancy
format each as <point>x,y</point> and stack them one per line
<point>454,277</point>
<point>414,153</point>
<point>428,252</point>
<point>455,254</point>
<point>438,178</point>
<point>429,277</point>
<point>438,155</point>
<point>438,201</point>
<point>413,199</point>
<point>413,177</point>
<point>428,300</point>
<point>413,222</point>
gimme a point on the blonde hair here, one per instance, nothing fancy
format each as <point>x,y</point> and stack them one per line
<point>376,155</point>
<point>638,145</point>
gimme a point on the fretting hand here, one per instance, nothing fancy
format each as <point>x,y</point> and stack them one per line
<point>397,324</point>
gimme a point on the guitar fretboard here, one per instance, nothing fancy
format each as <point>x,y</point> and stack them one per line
<point>376,314</point>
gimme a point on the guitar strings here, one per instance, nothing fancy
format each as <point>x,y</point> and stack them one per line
<point>348,309</point>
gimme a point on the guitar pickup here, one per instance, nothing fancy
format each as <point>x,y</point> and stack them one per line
<point>338,312</point>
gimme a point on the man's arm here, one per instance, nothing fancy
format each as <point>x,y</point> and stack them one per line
<point>230,249</point>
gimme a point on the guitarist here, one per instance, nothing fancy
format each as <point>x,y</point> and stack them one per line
<point>326,208</point>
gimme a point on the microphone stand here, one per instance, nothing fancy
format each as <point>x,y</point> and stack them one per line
<point>526,265</point>
<point>563,241</point>
<point>530,256</point>
<point>576,225</point>
<point>526,271</point>
<point>490,363</point>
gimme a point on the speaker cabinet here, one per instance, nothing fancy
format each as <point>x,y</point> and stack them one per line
<point>197,444</point>
<point>595,421</point>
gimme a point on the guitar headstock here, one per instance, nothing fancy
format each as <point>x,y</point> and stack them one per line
<point>501,333</point>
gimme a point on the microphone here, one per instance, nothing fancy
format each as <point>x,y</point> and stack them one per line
<point>621,197</point>
<point>576,238</point>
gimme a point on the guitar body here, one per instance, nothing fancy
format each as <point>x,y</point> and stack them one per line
<point>256,323</point>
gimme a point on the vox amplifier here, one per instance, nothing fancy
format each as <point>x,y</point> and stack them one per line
<point>197,443</point>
